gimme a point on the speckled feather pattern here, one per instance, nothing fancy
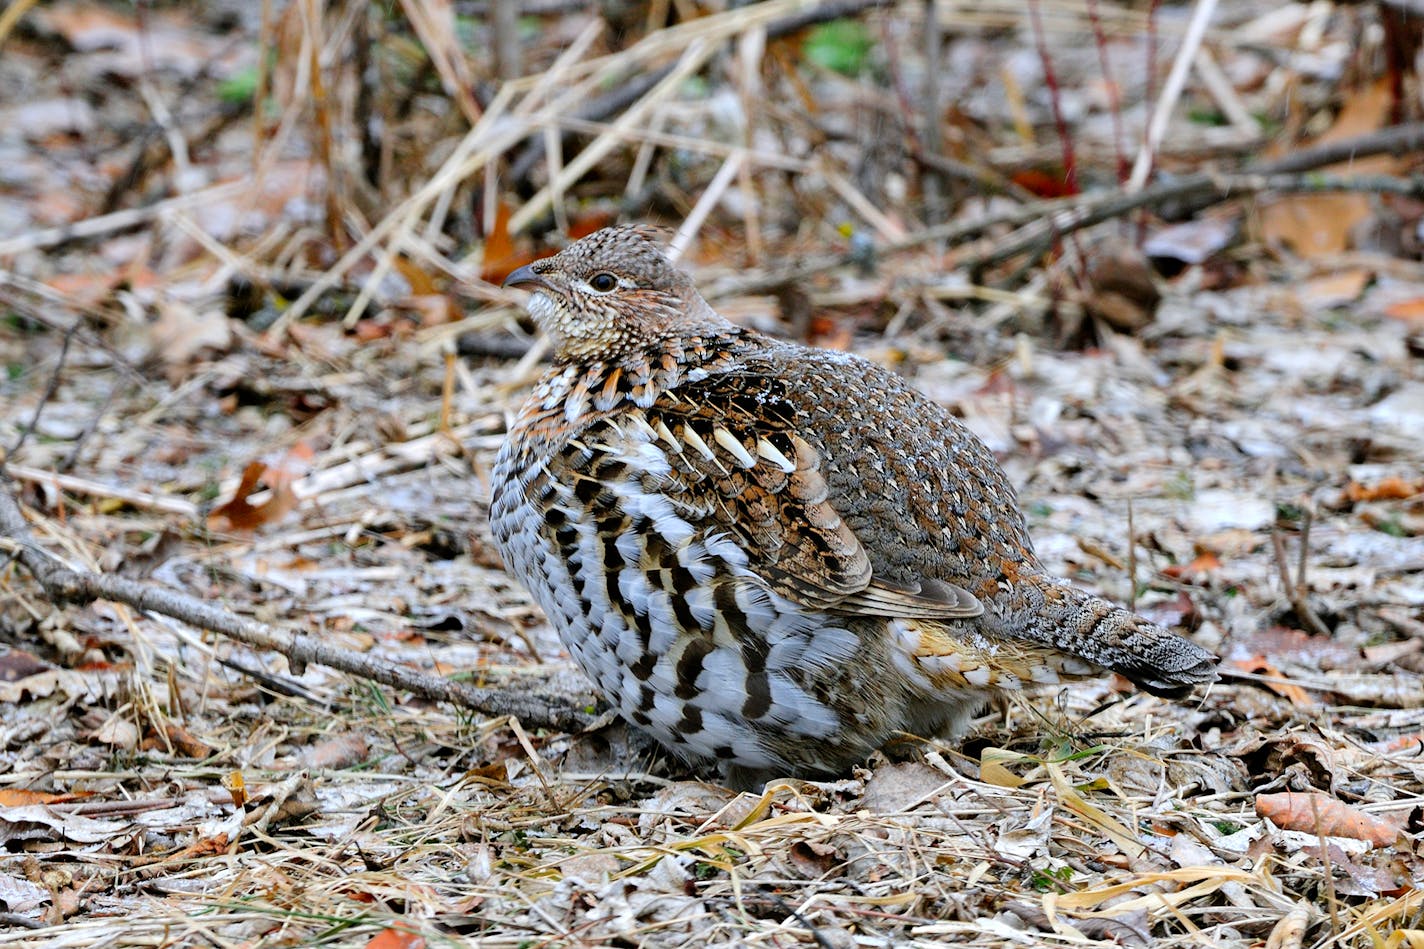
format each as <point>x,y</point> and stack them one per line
<point>772,556</point>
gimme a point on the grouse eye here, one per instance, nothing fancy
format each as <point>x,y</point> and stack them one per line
<point>603,282</point>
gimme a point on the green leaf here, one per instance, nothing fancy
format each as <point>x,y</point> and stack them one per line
<point>239,87</point>
<point>840,45</point>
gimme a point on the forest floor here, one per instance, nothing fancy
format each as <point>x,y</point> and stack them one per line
<point>257,356</point>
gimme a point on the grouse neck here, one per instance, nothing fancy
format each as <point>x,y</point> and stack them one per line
<point>642,375</point>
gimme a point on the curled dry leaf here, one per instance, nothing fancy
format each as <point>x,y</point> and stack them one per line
<point>1293,761</point>
<point>812,859</point>
<point>1195,241</point>
<point>1121,289</point>
<point>1289,932</point>
<point>1317,813</point>
<point>241,514</point>
<point>342,751</point>
<point>183,742</point>
<point>1275,680</point>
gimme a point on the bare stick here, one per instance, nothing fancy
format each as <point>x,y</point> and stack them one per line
<point>1042,222</point>
<point>63,584</point>
<point>108,223</point>
<point>1295,589</point>
<point>1131,560</point>
<point>1176,79</point>
<point>49,390</point>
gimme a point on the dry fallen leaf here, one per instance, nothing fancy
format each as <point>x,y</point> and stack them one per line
<point>501,257</point>
<point>1315,812</point>
<point>19,797</point>
<point>1392,488</point>
<point>240,514</point>
<point>1205,563</point>
<point>1335,289</point>
<point>1257,665</point>
<point>396,939</point>
<point>1319,225</point>
<point>1410,312</point>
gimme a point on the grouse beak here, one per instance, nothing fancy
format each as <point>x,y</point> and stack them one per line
<point>526,277</point>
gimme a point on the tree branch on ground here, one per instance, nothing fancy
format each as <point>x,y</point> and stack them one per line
<point>63,584</point>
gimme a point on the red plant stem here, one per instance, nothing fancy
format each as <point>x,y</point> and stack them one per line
<point>1114,95</point>
<point>1050,78</point>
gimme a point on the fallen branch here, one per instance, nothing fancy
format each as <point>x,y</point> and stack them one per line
<point>65,585</point>
<point>1042,223</point>
<point>1043,233</point>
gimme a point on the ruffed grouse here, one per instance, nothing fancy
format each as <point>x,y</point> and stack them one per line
<point>769,555</point>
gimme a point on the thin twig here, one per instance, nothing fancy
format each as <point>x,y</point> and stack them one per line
<point>1295,589</point>
<point>1055,99</point>
<point>49,391</point>
<point>119,220</point>
<point>1176,79</point>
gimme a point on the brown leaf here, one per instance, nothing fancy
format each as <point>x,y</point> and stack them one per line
<point>180,330</point>
<point>1314,812</point>
<point>420,280</point>
<point>1294,761</point>
<point>1408,311</point>
<point>335,753</point>
<point>16,664</point>
<point>1317,225</point>
<point>1392,488</point>
<point>813,859</point>
<point>1335,289</point>
<point>1257,665</point>
<point>1121,290</point>
<point>186,743</point>
<point>241,514</point>
<point>501,258</point>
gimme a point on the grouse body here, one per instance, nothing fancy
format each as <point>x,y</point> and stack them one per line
<point>768,555</point>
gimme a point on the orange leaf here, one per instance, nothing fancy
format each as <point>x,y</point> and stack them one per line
<point>420,280</point>
<point>236,785</point>
<point>586,223</point>
<point>1043,184</point>
<point>1392,488</point>
<point>1409,311</point>
<point>1257,665</point>
<point>396,939</point>
<point>1205,563</point>
<point>19,797</point>
<point>1316,225</point>
<point>501,257</point>
<point>1413,743</point>
<point>1315,812</point>
<point>186,743</point>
